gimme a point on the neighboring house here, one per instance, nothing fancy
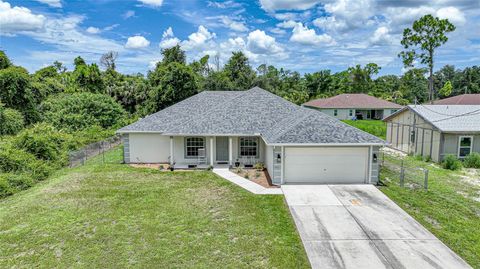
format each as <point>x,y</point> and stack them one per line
<point>296,144</point>
<point>354,105</point>
<point>435,130</point>
<point>464,99</point>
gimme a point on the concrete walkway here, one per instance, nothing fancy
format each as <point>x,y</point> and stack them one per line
<point>245,183</point>
<point>357,226</point>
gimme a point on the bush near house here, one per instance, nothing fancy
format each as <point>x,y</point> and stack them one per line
<point>451,162</point>
<point>472,160</point>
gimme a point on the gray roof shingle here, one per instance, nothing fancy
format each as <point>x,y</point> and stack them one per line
<point>451,118</point>
<point>251,112</point>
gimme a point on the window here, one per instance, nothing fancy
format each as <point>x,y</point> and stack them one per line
<point>248,146</point>
<point>335,112</point>
<point>350,112</point>
<point>464,146</point>
<point>393,111</point>
<point>192,146</point>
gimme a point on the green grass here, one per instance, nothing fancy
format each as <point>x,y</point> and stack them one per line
<point>374,127</point>
<point>115,216</point>
<point>448,209</point>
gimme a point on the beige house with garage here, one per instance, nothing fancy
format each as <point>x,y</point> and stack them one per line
<point>435,130</point>
<point>242,128</point>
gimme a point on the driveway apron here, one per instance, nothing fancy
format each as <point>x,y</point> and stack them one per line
<point>357,226</point>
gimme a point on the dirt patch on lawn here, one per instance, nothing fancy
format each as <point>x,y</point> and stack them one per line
<point>157,166</point>
<point>260,177</point>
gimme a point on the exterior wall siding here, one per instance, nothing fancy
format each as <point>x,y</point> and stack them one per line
<point>375,165</point>
<point>148,148</point>
<point>450,144</point>
<point>126,148</point>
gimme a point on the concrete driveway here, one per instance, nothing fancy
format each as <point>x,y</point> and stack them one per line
<point>357,226</point>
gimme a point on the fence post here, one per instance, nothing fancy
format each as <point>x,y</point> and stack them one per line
<point>425,184</point>
<point>103,152</point>
<point>402,175</point>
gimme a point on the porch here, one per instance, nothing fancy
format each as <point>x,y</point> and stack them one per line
<point>215,151</point>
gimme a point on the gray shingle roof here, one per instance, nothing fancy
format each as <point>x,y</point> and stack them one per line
<point>252,112</point>
<point>451,118</point>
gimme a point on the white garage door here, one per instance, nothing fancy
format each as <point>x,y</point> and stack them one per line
<point>326,165</point>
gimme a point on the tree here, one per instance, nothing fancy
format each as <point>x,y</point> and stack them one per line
<point>89,78</point>
<point>239,71</point>
<point>361,78</point>
<point>15,91</point>
<point>174,54</point>
<point>318,83</point>
<point>4,61</point>
<point>79,61</point>
<point>413,85</point>
<point>79,111</point>
<point>170,84</point>
<point>446,90</point>
<point>108,60</point>
<point>60,67</point>
<point>427,34</point>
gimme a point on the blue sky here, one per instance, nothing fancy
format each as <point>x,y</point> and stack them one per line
<point>301,35</point>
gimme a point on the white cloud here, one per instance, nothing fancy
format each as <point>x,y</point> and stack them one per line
<point>93,30</point>
<point>198,39</point>
<point>223,5</point>
<point>168,39</point>
<point>153,3</point>
<point>273,5</point>
<point>128,14</point>
<point>330,24</point>
<point>302,35</point>
<point>237,26</point>
<point>137,42</point>
<point>381,36</point>
<point>453,14</point>
<point>52,3</point>
<point>278,31</point>
<point>260,43</point>
<point>17,19</point>
<point>287,24</point>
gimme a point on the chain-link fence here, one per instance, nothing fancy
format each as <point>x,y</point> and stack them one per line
<point>79,157</point>
<point>395,169</point>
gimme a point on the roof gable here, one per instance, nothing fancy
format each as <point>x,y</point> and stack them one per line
<point>251,112</point>
<point>352,100</point>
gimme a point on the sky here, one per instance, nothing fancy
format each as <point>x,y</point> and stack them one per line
<point>300,35</point>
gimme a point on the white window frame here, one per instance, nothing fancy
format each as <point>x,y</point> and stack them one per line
<point>350,113</point>
<point>199,147</point>
<point>460,146</point>
<point>257,146</point>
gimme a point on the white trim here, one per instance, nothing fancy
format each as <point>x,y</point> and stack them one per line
<point>171,151</point>
<point>138,132</point>
<point>458,145</point>
<point>282,164</point>
<point>211,150</point>
<point>370,164</point>
<point>328,144</point>
<point>230,151</point>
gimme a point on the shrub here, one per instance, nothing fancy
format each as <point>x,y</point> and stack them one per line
<point>472,160</point>
<point>45,142</point>
<point>11,183</point>
<point>451,162</point>
<point>79,111</point>
<point>11,120</point>
<point>13,160</point>
<point>259,166</point>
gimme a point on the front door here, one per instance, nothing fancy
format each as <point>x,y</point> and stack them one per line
<point>222,149</point>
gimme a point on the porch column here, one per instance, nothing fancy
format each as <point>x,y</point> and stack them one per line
<point>211,151</point>
<point>230,151</point>
<point>171,150</point>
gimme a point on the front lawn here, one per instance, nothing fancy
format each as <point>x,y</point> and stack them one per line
<point>375,127</point>
<point>450,208</point>
<point>116,216</point>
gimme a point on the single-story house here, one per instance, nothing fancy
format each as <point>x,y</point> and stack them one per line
<point>220,128</point>
<point>435,130</point>
<point>464,99</point>
<point>348,106</point>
